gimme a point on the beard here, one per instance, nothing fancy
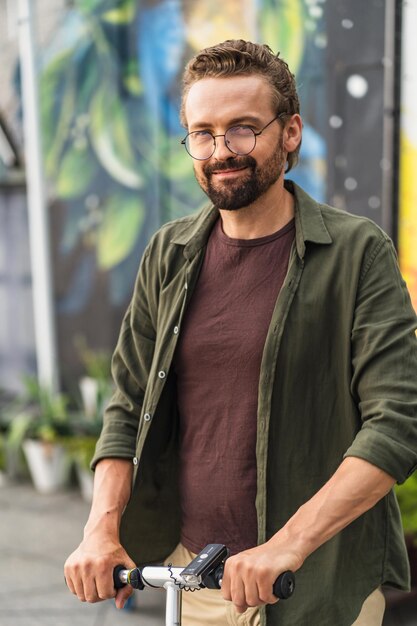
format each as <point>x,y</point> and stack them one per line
<point>234,195</point>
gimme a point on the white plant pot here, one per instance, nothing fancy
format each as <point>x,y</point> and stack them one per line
<point>89,394</point>
<point>85,480</point>
<point>49,465</point>
<point>3,478</point>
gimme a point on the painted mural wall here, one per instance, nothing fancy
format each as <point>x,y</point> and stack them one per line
<point>110,94</point>
<point>408,169</point>
<point>110,74</point>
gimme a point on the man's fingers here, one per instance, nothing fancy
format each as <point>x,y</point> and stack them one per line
<point>252,594</point>
<point>90,590</point>
<point>265,592</point>
<point>78,587</point>
<point>238,595</point>
<point>69,582</point>
<point>122,596</point>
<point>105,585</point>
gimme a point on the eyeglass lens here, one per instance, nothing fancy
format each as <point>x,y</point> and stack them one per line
<point>239,139</point>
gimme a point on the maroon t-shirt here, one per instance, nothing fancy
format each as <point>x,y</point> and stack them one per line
<point>217,362</point>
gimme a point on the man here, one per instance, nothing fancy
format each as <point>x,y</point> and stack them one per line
<point>266,380</point>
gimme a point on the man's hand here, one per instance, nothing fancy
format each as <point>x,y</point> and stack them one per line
<point>249,576</point>
<point>89,570</point>
<point>354,488</point>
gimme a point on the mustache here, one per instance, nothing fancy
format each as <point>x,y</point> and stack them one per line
<point>232,163</point>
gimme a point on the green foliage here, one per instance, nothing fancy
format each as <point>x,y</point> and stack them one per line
<point>38,414</point>
<point>56,108</point>
<point>75,173</point>
<point>407,498</point>
<point>282,24</point>
<point>81,449</point>
<point>101,139</point>
<point>97,366</point>
<point>109,133</point>
<point>122,220</point>
<point>96,363</point>
<point>2,452</point>
<point>131,80</point>
<point>89,6</point>
<point>117,11</point>
<point>123,14</point>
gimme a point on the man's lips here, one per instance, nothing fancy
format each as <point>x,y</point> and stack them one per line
<point>229,172</point>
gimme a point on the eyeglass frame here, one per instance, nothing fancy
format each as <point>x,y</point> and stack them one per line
<point>255,135</point>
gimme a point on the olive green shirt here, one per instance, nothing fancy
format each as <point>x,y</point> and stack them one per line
<point>338,378</point>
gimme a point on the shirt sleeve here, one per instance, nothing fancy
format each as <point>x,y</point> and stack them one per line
<point>384,366</point>
<point>131,364</point>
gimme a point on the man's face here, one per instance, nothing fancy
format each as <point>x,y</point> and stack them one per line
<point>216,104</point>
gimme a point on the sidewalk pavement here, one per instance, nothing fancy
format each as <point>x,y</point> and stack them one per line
<point>37,533</point>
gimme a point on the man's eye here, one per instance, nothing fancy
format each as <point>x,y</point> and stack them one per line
<point>201,136</point>
<point>240,131</point>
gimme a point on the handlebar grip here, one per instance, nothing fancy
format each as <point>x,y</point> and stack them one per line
<point>132,577</point>
<point>118,584</point>
<point>284,586</point>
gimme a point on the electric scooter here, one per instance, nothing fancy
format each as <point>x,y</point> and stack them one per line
<point>204,572</point>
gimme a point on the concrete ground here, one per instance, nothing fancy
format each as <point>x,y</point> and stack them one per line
<point>38,532</point>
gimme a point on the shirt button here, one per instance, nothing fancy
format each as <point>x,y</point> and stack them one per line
<point>161,374</point>
<point>186,286</point>
<point>147,417</point>
<point>176,330</point>
<point>135,460</point>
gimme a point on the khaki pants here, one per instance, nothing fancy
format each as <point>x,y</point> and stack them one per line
<point>207,607</point>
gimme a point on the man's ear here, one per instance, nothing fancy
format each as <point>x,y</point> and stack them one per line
<point>292,133</point>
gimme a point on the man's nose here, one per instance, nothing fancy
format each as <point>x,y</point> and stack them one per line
<point>221,151</point>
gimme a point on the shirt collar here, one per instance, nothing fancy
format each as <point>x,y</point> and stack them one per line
<point>309,224</point>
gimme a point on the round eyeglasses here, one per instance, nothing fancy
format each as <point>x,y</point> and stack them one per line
<point>240,140</point>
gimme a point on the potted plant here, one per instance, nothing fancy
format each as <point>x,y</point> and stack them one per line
<point>2,444</point>
<point>81,450</point>
<point>95,386</point>
<point>2,459</point>
<point>95,389</point>
<point>407,499</point>
<point>40,425</point>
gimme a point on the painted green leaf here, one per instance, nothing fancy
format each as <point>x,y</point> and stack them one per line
<point>177,163</point>
<point>121,225</point>
<point>75,173</point>
<point>88,6</point>
<point>109,131</point>
<point>133,84</point>
<point>282,28</point>
<point>71,229</point>
<point>122,15</point>
<point>53,86</point>
<point>66,87</point>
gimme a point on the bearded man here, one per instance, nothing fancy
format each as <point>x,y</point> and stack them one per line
<point>265,380</point>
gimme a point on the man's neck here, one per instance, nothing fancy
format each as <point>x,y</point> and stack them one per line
<point>272,211</point>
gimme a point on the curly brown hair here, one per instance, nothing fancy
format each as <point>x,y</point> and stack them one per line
<point>238,57</point>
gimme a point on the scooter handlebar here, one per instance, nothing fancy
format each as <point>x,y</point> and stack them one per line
<point>283,587</point>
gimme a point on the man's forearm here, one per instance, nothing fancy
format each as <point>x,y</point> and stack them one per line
<point>353,489</point>
<point>112,488</point>
<point>88,570</point>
